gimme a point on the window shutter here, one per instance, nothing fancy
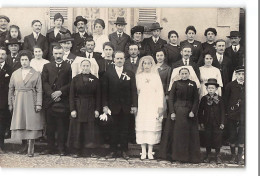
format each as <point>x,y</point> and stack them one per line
<point>147,16</point>
<point>63,11</point>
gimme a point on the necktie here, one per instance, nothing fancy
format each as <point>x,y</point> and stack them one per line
<point>0,67</point>
<point>220,59</point>
<point>133,61</point>
<point>119,36</point>
<point>89,56</point>
<point>235,49</point>
<point>155,40</point>
<point>36,37</point>
<point>13,59</point>
<point>186,63</point>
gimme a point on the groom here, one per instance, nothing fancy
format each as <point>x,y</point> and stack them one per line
<point>120,96</point>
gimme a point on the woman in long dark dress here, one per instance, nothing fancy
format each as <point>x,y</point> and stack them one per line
<point>84,107</point>
<point>181,139</point>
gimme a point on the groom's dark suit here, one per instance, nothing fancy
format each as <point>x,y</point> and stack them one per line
<point>119,95</point>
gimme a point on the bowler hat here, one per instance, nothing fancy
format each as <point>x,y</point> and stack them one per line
<point>240,69</point>
<point>120,20</point>
<point>80,18</point>
<point>5,17</point>
<point>212,81</point>
<point>155,26</point>
<point>65,37</point>
<point>234,34</point>
<point>137,29</point>
<point>57,16</point>
<point>12,41</point>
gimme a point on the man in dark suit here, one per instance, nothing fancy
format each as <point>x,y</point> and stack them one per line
<point>119,39</point>
<point>66,44</point>
<point>235,52</point>
<point>5,116</point>
<point>36,38</point>
<point>235,110</point>
<point>132,62</point>
<point>4,20</point>
<point>155,42</point>
<point>81,36</point>
<point>12,59</point>
<point>221,61</point>
<point>120,96</point>
<point>56,78</point>
<point>186,53</point>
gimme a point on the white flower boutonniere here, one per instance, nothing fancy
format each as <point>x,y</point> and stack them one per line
<point>126,77</point>
<point>190,84</point>
<point>90,79</point>
<point>6,75</point>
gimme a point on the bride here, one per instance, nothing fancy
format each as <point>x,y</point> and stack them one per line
<point>150,106</point>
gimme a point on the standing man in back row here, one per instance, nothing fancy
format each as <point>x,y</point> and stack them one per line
<point>119,39</point>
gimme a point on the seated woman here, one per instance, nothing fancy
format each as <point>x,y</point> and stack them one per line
<point>180,141</point>
<point>208,71</point>
<point>150,106</point>
<point>25,100</point>
<point>38,62</point>
<point>84,107</point>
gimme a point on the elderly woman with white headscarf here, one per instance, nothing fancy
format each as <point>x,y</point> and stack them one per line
<point>150,106</point>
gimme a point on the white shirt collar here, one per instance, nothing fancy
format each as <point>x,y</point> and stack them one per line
<point>173,44</point>
<point>188,61</point>
<point>155,38</point>
<point>119,33</point>
<point>91,54</point>
<point>14,55</point>
<point>35,35</point>
<point>135,59</point>
<point>239,82</point>
<point>237,47</point>
<point>82,33</point>
<point>2,64</point>
<point>119,68</point>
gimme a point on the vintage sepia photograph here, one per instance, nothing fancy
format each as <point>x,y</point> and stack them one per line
<point>112,87</point>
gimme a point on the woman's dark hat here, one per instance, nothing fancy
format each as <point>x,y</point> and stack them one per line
<point>240,69</point>
<point>234,34</point>
<point>120,20</point>
<point>57,16</point>
<point>12,41</point>
<point>137,29</point>
<point>212,81</point>
<point>80,18</point>
<point>66,37</point>
<point>5,17</point>
<point>155,26</point>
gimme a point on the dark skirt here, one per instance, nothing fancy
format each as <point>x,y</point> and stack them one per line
<point>83,133</point>
<point>181,138</point>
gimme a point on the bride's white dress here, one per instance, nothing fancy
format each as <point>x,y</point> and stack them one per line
<point>150,99</point>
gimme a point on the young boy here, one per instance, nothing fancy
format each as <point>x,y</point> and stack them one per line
<point>211,117</point>
<point>235,103</point>
<point>155,42</point>
<point>119,38</point>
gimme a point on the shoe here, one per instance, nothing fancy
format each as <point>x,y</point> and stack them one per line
<point>93,156</point>
<point>62,153</point>
<point>143,156</point>
<point>233,159</point>
<point>1,151</point>
<point>218,160</point>
<point>75,155</point>
<point>240,160</point>
<point>125,156</point>
<point>110,155</point>
<point>47,152</point>
<point>150,155</point>
<point>23,150</point>
<point>206,159</point>
<point>30,155</point>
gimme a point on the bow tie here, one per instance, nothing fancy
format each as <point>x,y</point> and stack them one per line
<point>212,99</point>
